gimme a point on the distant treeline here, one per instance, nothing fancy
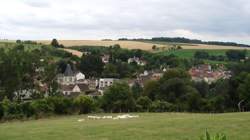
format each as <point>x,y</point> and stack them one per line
<point>186,40</point>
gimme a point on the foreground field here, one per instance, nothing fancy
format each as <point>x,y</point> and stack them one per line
<point>149,126</point>
<point>123,44</point>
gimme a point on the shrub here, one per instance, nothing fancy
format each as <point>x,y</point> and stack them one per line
<point>61,105</point>
<point>27,109</point>
<point>85,104</point>
<point>143,103</point>
<point>161,106</point>
<point>41,107</point>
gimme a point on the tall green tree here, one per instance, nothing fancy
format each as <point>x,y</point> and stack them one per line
<point>118,98</point>
<point>91,65</point>
<point>55,43</point>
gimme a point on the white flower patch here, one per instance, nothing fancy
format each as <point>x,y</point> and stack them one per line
<point>118,117</point>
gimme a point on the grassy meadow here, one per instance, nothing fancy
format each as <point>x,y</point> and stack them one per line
<point>190,46</point>
<point>149,126</point>
<point>189,53</point>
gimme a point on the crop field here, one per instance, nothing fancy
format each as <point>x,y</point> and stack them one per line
<point>123,44</point>
<point>144,45</point>
<point>149,126</point>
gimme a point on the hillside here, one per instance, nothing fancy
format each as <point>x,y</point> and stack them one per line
<point>149,126</point>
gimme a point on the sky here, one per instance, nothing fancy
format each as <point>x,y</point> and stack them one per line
<point>220,20</point>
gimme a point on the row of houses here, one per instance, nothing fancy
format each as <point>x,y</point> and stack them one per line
<point>207,74</point>
<point>139,61</point>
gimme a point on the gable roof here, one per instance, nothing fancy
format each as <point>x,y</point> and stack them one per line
<point>83,87</point>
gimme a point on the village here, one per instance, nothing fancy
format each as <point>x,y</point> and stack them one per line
<point>73,83</point>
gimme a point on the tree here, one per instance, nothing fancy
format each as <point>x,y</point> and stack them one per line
<point>234,55</point>
<point>175,73</point>
<point>154,47</point>
<point>201,55</point>
<point>55,43</point>
<point>193,99</point>
<point>110,71</point>
<point>202,87</point>
<point>18,41</point>
<point>91,65</point>
<point>137,90</point>
<point>144,102</point>
<point>151,89</point>
<point>118,98</point>
<point>21,70</point>
<point>244,91</point>
<point>1,111</point>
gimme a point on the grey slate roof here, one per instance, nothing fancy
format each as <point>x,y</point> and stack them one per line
<point>68,71</point>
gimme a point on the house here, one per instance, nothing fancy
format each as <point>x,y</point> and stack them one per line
<point>73,89</point>
<point>146,76</point>
<point>207,74</point>
<point>137,60</point>
<point>72,82</point>
<point>105,58</point>
<point>105,82</point>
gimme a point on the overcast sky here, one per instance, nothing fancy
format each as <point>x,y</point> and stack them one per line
<point>223,20</point>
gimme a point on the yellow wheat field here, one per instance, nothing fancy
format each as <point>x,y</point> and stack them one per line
<point>123,44</point>
<point>138,45</point>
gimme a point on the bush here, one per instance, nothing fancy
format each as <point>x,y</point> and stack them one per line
<point>41,108</point>
<point>27,110</point>
<point>143,103</point>
<point>61,105</point>
<point>161,106</point>
<point>85,104</point>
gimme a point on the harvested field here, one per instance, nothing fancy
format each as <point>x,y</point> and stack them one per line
<point>123,44</point>
<point>146,45</point>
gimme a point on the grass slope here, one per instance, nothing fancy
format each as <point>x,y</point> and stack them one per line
<point>198,46</point>
<point>150,126</point>
<point>189,53</point>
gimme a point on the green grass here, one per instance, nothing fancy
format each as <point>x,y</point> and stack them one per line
<point>28,47</point>
<point>150,126</point>
<point>169,43</point>
<point>190,53</point>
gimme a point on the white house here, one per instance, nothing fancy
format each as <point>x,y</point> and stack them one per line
<point>105,59</point>
<point>137,60</point>
<point>105,82</point>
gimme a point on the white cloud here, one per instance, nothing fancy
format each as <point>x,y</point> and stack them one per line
<point>226,20</point>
